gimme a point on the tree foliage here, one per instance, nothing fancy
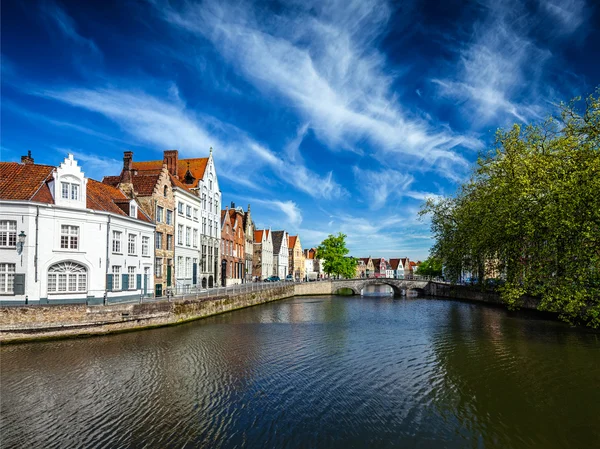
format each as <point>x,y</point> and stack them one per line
<point>333,251</point>
<point>430,267</point>
<point>531,212</point>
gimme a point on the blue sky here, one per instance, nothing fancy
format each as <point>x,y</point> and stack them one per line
<point>326,116</point>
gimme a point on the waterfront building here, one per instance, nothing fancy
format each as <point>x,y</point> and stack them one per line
<point>408,271</point>
<point>232,246</point>
<point>389,271</point>
<point>369,266</point>
<point>312,264</point>
<point>380,265</point>
<point>249,245</point>
<point>66,238</point>
<point>296,257</point>
<point>361,268</point>
<point>398,269</point>
<point>263,254</point>
<point>280,253</point>
<point>187,193</point>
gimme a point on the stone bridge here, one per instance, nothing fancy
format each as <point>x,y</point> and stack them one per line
<point>399,286</point>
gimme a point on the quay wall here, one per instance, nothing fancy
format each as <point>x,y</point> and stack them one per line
<point>469,293</point>
<point>27,323</point>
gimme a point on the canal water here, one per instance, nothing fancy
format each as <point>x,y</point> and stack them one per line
<point>322,372</point>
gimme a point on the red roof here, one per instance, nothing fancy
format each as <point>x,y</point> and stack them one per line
<point>395,262</point>
<point>197,167</point>
<point>29,182</point>
<point>25,182</point>
<point>292,241</point>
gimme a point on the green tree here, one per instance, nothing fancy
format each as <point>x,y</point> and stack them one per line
<point>532,208</point>
<point>430,267</point>
<point>333,251</point>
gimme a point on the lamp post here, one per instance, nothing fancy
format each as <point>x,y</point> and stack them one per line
<point>20,242</point>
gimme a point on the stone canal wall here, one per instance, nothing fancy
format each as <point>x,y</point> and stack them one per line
<point>313,288</point>
<point>19,324</point>
<point>469,293</point>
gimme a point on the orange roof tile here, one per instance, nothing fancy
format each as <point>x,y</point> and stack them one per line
<point>25,181</point>
<point>258,236</point>
<point>197,167</point>
<point>292,241</point>
<point>394,263</point>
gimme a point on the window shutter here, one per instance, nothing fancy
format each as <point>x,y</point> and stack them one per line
<point>139,282</point>
<point>109,282</point>
<point>194,274</point>
<point>19,284</point>
<point>125,282</point>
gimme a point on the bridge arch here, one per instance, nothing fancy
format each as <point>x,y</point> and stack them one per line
<point>398,286</point>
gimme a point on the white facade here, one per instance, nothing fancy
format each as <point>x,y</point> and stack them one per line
<point>266,254</point>
<point>281,257</point>
<point>210,226</point>
<point>187,216</point>
<point>73,254</point>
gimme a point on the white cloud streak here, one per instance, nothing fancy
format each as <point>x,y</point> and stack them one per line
<point>169,124</point>
<point>321,57</point>
<point>501,66</point>
<point>66,25</point>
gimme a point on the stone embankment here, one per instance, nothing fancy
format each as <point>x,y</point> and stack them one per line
<point>25,323</point>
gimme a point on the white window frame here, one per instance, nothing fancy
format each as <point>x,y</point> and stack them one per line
<point>67,278</point>
<point>180,208</point>
<point>158,263</point>
<point>159,214</point>
<point>8,234</point>
<point>158,243</point>
<point>180,234</point>
<point>195,238</point>
<point>145,245</point>
<point>116,242</point>
<point>188,232</point>
<point>131,275</point>
<point>188,211</point>
<point>132,244</point>
<point>69,237</point>
<point>169,218</point>
<point>116,272</point>
<point>7,278</point>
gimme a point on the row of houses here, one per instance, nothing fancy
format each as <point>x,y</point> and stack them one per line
<point>156,228</point>
<point>377,267</point>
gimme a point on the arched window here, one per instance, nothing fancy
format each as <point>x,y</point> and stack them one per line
<point>67,277</point>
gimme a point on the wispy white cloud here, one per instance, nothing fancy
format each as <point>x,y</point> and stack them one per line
<point>500,68</point>
<point>66,25</point>
<point>322,57</point>
<point>289,209</point>
<point>170,124</point>
<point>379,187</point>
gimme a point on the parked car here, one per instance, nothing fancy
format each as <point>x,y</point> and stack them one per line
<point>289,278</point>
<point>273,279</point>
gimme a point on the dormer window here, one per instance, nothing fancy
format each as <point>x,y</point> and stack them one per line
<point>70,191</point>
<point>132,210</point>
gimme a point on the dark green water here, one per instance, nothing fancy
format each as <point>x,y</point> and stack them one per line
<point>331,372</point>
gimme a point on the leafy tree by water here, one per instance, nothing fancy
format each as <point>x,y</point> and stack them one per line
<point>532,209</point>
<point>430,267</point>
<point>333,251</point>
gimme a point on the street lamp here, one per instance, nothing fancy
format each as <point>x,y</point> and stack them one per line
<point>20,242</point>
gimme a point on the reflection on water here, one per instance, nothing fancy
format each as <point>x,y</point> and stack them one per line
<point>377,290</point>
<point>313,372</point>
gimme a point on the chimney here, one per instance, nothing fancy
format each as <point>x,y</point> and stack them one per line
<point>27,160</point>
<point>171,158</point>
<point>127,166</point>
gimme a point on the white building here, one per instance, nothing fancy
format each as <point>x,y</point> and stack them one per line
<point>280,253</point>
<point>65,238</point>
<point>187,238</point>
<point>195,213</point>
<point>263,254</point>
